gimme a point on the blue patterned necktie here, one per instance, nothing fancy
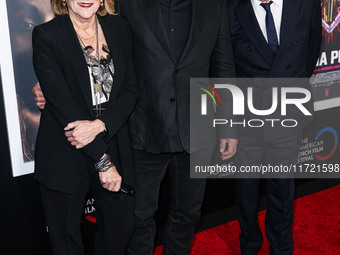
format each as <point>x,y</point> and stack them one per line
<point>270,27</point>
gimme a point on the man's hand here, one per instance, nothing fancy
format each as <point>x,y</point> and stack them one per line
<point>39,96</point>
<point>82,132</point>
<point>232,148</point>
<point>111,180</point>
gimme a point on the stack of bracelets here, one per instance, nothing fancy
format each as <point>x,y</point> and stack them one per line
<point>103,164</point>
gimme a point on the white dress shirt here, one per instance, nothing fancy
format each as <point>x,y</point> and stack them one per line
<point>260,13</point>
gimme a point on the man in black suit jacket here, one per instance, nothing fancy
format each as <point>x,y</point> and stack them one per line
<point>173,41</point>
<point>294,52</point>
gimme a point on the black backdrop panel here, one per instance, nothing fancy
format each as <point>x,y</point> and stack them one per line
<point>22,224</point>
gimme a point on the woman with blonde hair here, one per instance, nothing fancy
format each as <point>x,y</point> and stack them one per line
<point>83,61</point>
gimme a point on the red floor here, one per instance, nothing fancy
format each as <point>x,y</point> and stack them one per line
<point>316,229</point>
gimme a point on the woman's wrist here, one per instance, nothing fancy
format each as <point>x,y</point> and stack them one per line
<point>99,125</point>
<point>103,164</point>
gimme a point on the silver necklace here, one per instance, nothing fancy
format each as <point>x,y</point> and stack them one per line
<point>96,85</point>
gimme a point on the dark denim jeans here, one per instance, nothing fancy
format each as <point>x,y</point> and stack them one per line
<point>186,200</point>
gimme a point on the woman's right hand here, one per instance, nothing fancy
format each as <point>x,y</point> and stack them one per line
<point>39,96</point>
<point>111,180</point>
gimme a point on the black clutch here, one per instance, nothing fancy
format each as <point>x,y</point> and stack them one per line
<point>127,189</point>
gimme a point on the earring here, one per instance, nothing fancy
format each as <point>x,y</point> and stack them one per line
<point>101,3</point>
<point>64,3</point>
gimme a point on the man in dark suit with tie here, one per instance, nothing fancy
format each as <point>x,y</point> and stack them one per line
<point>271,39</point>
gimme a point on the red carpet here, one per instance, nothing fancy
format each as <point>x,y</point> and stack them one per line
<point>316,229</point>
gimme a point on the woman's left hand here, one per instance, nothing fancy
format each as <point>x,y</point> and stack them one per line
<point>82,132</point>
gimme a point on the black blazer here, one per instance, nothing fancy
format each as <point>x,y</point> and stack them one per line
<point>300,41</point>
<point>162,78</point>
<point>63,74</point>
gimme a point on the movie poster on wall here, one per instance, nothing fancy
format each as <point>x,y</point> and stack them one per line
<point>326,81</point>
<point>17,20</point>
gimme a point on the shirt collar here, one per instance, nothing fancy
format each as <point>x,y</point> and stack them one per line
<point>276,2</point>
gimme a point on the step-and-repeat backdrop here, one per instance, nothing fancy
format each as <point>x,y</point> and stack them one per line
<point>20,123</point>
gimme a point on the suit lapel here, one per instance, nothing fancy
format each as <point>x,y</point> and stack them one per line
<point>71,44</point>
<point>114,43</point>
<point>287,27</point>
<point>247,18</point>
<point>199,8</point>
<point>288,23</point>
<point>153,16</point>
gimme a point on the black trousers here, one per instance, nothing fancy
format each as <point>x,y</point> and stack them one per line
<point>252,150</point>
<point>114,214</point>
<point>186,200</point>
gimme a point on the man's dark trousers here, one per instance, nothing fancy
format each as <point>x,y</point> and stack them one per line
<point>186,201</point>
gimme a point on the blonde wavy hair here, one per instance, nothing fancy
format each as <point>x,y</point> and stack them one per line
<point>59,9</point>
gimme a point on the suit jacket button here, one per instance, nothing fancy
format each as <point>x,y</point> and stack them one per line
<point>260,69</point>
<point>295,42</point>
<point>250,48</point>
<point>176,70</point>
<point>288,66</point>
<point>172,100</point>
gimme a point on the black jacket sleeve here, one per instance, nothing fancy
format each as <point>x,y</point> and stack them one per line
<point>222,66</point>
<point>58,96</point>
<point>315,38</point>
